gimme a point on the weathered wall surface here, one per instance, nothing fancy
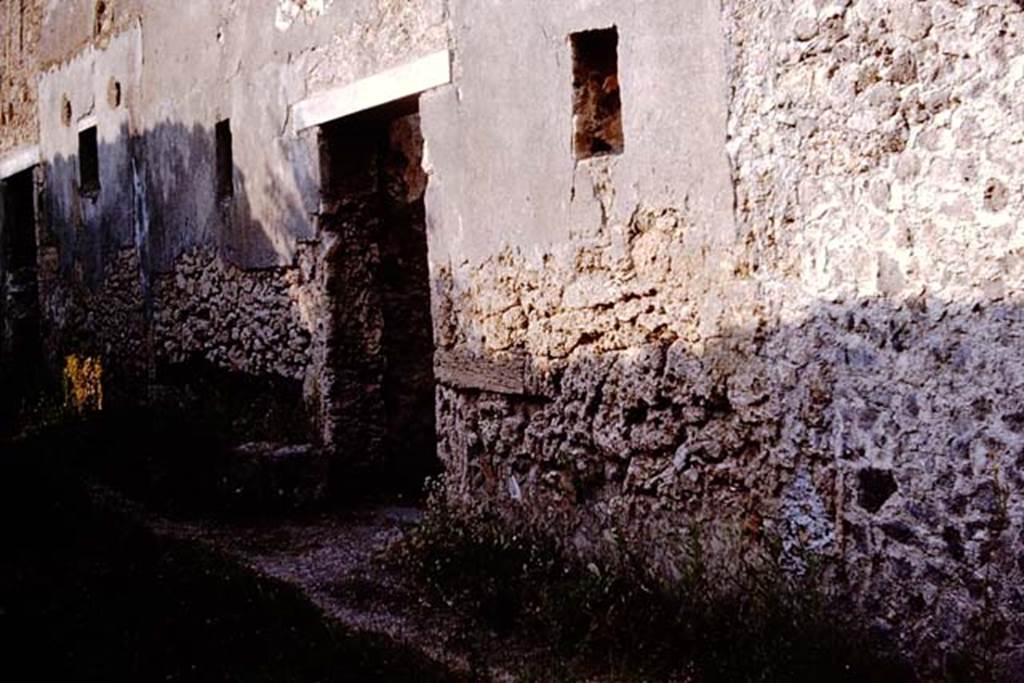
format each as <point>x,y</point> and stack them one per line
<point>215,60</point>
<point>263,332</point>
<point>92,242</point>
<point>234,284</point>
<point>834,361</point>
<point>792,300</point>
<point>884,213</point>
<point>20,23</point>
<point>500,140</point>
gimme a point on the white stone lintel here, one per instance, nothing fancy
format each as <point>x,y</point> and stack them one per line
<point>87,122</point>
<point>19,160</point>
<point>388,86</point>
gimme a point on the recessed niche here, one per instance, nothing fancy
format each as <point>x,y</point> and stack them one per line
<point>597,104</point>
<point>101,18</point>
<point>88,162</point>
<point>114,93</point>
<point>225,161</point>
<point>65,111</point>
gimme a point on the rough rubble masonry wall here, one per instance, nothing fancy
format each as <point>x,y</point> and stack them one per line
<point>834,360</point>
<point>19,32</point>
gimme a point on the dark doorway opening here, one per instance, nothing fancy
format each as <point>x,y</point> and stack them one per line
<point>225,161</point>
<point>378,402</point>
<point>88,162</point>
<point>20,352</point>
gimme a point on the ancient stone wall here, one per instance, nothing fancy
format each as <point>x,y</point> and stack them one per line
<point>896,150</point>
<point>233,347</point>
<point>843,373</point>
<point>106,323</point>
<point>214,294</point>
<point>783,293</point>
<point>251,322</point>
<point>20,22</point>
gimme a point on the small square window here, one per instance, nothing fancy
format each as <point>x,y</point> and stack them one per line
<point>225,161</point>
<point>88,162</point>
<point>597,105</point>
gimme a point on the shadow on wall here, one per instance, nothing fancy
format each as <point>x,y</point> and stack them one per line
<point>165,274</point>
<point>20,358</point>
<point>161,275</point>
<point>886,436</point>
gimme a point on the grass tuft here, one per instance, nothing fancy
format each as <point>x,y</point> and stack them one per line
<point>730,615</point>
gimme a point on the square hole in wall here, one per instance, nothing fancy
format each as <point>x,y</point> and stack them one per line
<point>597,105</point>
<point>88,161</point>
<point>225,161</point>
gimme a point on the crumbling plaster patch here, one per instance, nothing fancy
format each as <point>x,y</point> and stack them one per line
<point>289,11</point>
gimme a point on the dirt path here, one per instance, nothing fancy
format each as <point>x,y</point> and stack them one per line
<point>336,561</point>
<point>87,593</point>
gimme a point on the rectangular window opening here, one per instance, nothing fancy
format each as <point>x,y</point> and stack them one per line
<point>225,161</point>
<point>597,105</point>
<point>88,162</point>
